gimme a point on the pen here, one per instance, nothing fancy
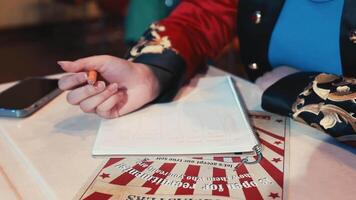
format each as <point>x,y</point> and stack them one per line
<point>92,76</point>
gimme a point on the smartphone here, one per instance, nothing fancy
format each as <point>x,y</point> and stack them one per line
<point>28,96</point>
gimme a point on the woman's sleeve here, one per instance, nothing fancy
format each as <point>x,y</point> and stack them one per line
<point>324,101</point>
<point>180,44</point>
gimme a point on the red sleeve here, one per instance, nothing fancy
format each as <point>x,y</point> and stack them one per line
<point>200,29</point>
<point>195,30</point>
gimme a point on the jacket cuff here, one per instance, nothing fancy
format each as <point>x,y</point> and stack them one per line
<point>280,96</point>
<point>169,84</point>
<point>165,62</point>
<point>323,101</point>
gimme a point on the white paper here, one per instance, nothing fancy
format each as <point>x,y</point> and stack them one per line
<point>208,120</point>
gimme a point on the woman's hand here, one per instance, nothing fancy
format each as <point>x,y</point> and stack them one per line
<point>273,76</point>
<point>126,87</point>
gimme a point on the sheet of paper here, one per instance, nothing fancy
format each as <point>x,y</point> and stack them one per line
<point>210,119</point>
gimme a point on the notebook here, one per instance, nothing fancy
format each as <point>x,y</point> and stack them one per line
<point>207,118</point>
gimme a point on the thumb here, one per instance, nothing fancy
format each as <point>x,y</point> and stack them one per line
<point>84,64</point>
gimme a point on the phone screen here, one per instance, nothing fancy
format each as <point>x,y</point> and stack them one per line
<point>27,92</point>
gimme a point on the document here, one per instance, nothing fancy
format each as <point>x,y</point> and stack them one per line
<point>209,119</point>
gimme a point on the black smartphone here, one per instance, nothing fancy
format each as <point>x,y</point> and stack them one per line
<point>27,96</point>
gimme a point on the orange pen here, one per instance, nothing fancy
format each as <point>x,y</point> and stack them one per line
<point>92,76</point>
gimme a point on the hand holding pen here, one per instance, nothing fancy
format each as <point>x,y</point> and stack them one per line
<point>125,87</point>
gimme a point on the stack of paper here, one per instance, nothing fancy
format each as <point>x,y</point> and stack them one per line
<point>210,119</point>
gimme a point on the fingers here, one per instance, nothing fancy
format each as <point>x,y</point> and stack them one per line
<point>139,81</point>
<point>70,81</point>
<point>90,104</point>
<point>76,96</point>
<point>90,63</point>
<point>111,107</point>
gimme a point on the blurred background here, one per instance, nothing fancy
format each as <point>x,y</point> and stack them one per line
<point>34,34</point>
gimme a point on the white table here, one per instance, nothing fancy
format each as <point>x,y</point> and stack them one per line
<point>48,155</point>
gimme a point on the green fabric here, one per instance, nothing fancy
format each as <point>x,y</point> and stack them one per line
<point>142,13</point>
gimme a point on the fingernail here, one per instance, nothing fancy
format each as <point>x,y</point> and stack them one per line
<point>113,87</point>
<point>83,77</point>
<point>61,63</point>
<point>100,85</point>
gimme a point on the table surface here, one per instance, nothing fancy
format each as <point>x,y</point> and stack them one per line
<point>48,155</point>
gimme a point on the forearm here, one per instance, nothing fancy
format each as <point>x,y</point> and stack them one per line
<point>323,101</point>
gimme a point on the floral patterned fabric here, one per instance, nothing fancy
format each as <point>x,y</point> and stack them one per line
<point>328,103</point>
<point>151,42</point>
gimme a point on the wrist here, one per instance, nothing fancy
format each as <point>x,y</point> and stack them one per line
<point>273,76</point>
<point>149,80</point>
